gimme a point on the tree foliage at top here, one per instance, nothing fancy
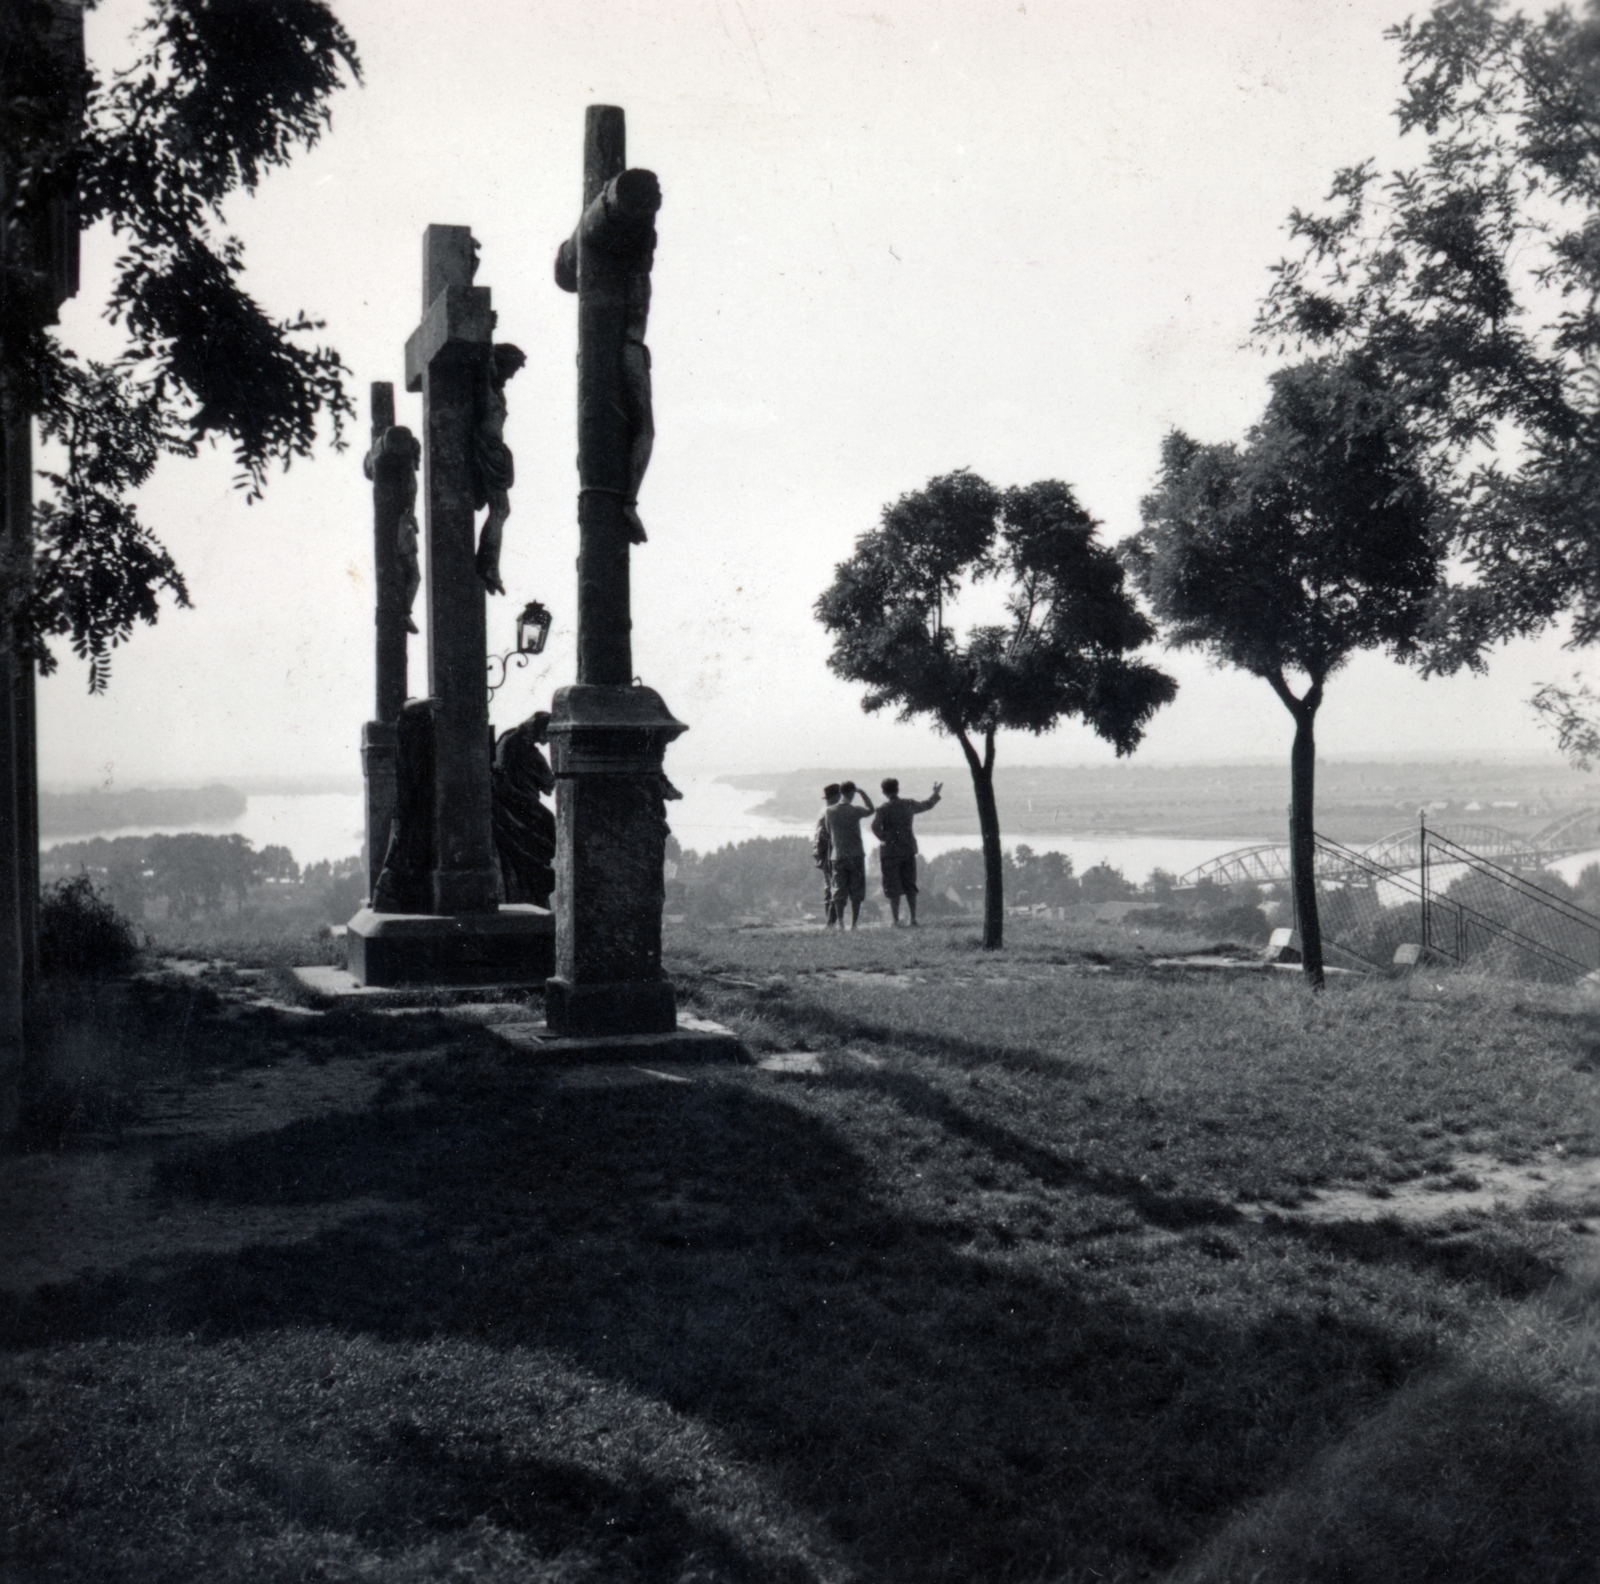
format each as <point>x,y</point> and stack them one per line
<point>223,92</point>
<point>1319,537</point>
<point>1323,535</point>
<point>1063,650</point>
<point>1473,280</point>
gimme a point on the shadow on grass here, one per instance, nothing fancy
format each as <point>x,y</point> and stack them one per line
<point>1458,1478</point>
<point>557,1506</point>
<point>1173,1212</point>
<point>1504,1267</point>
<point>949,1416</point>
<point>802,1018</point>
<point>92,1046</point>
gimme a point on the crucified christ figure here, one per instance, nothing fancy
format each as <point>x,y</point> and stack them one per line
<point>492,471</point>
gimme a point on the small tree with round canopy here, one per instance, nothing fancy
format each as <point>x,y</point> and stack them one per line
<point>1321,536</point>
<point>1063,650</point>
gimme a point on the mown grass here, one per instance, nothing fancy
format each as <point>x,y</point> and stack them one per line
<point>1232,1086</point>
<point>991,1296</point>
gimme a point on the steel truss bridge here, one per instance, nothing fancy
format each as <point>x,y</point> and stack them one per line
<point>1402,850</point>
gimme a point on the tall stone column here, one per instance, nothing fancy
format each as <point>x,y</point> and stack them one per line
<point>608,735</point>
<point>23,724</point>
<point>391,465</point>
<point>443,360</point>
<point>42,64</point>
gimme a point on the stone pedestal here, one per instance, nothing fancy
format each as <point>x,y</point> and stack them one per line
<point>514,944</point>
<point>607,745</point>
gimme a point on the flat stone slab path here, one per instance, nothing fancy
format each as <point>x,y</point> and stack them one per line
<point>502,1010</point>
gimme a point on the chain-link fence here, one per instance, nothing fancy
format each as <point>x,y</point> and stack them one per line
<point>1456,903</point>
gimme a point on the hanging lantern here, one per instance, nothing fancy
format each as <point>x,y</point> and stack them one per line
<point>533,628</point>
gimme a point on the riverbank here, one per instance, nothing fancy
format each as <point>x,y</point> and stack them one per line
<point>713,813</point>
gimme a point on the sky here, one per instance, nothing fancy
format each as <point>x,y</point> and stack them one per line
<point>898,237</point>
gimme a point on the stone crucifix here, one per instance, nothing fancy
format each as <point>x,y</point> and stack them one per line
<point>608,735</point>
<point>447,359</point>
<point>391,464</point>
<point>436,914</point>
<point>607,262</point>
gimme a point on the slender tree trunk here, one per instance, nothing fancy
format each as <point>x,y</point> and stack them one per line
<point>1303,846</point>
<point>1302,824</point>
<point>994,883</point>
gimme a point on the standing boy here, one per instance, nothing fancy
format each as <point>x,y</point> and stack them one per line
<point>843,820</point>
<point>898,854</point>
<point>822,852</point>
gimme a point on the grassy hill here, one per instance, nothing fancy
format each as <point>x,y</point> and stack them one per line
<point>1050,1264</point>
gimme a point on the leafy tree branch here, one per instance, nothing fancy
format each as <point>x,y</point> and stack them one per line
<point>223,92</point>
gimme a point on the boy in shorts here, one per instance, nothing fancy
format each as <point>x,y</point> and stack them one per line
<point>843,820</point>
<point>898,854</point>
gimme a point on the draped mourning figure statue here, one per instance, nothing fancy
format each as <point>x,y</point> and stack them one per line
<point>405,883</point>
<point>524,826</point>
<point>492,471</point>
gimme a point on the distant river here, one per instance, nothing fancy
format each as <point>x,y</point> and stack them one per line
<point>328,825</point>
<point>312,825</point>
<point>712,814</point>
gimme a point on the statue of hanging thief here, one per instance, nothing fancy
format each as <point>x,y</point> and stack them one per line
<point>619,226</point>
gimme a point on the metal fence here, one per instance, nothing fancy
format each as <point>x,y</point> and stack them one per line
<point>1366,908</point>
<point>1457,903</point>
<point>1478,911</point>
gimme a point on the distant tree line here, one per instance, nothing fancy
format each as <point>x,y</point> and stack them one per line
<point>197,874</point>
<point>773,879</point>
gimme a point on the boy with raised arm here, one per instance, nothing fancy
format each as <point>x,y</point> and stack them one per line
<point>843,820</point>
<point>898,854</point>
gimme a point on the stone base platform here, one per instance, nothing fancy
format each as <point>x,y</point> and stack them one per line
<point>334,985</point>
<point>519,1025</point>
<point>694,1040</point>
<point>516,944</point>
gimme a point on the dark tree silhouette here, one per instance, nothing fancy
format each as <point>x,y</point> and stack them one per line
<point>1063,650</point>
<point>193,871</point>
<point>223,91</point>
<point>1321,536</point>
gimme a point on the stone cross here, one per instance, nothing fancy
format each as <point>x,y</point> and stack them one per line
<point>391,464</point>
<point>445,358</point>
<point>607,262</point>
<point>607,734</point>
<point>436,915</point>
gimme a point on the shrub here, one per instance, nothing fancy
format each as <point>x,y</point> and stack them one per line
<point>1176,921</point>
<point>1103,883</point>
<point>1247,925</point>
<point>80,932</point>
<point>344,898</point>
<point>710,905</point>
